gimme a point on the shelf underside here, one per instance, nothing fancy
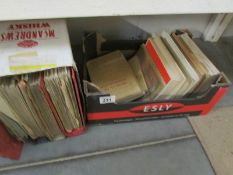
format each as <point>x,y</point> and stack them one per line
<point>26,9</point>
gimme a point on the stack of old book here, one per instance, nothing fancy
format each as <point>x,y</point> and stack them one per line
<point>40,95</point>
<point>169,66</point>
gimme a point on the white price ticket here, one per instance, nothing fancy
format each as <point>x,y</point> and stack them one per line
<point>107,99</point>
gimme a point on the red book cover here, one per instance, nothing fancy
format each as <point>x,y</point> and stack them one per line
<point>9,146</point>
<point>74,132</point>
<point>156,59</point>
<point>50,103</point>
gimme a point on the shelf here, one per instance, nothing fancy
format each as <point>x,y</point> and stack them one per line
<point>27,9</point>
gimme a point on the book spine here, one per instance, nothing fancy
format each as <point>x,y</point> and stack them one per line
<point>157,61</point>
<point>77,91</point>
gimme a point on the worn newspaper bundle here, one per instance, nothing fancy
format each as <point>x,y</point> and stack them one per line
<point>40,95</point>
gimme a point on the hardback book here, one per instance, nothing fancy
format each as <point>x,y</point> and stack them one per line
<point>14,127</point>
<point>113,74</point>
<point>11,94</point>
<point>169,74</point>
<point>137,63</point>
<point>149,77</point>
<point>192,78</point>
<point>12,122</point>
<point>206,70</point>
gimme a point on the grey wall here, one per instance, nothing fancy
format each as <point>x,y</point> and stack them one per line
<point>229,30</point>
<point>139,27</point>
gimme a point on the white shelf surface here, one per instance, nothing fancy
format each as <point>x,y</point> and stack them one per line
<point>40,9</point>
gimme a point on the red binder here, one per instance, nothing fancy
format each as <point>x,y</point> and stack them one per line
<point>74,132</point>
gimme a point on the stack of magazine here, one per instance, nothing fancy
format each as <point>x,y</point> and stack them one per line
<point>40,95</point>
<point>166,66</point>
